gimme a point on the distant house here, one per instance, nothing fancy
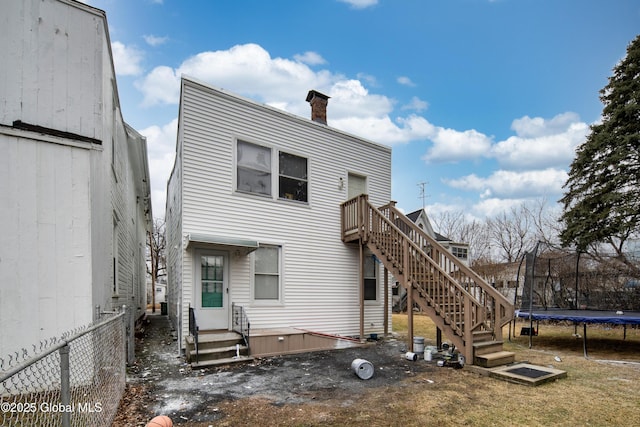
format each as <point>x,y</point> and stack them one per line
<point>253,219</point>
<point>458,249</point>
<point>74,180</point>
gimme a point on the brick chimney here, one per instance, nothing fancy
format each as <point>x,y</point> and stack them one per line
<point>318,103</point>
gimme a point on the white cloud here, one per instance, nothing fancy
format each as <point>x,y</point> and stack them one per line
<point>405,81</point>
<point>161,143</point>
<point>283,83</point>
<point>513,185</point>
<point>493,207</point>
<point>360,4</point>
<point>155,40</point>
<point>541,143</point>
<point>538,143</point>
<point>368,79</point>
<point>534,127</point>
<point>126,59</point>
<point>160,86</point>
<point>416,104</point>
<point>310,58</point>
<point>450,145</point>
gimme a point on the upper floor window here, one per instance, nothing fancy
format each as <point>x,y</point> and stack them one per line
<point>253,168</point>
<point>461,253</point>
<point>293,177</point>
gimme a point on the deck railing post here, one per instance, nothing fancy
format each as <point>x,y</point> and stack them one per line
<point>468,335</point>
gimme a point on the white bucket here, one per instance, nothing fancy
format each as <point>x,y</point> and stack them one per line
<point>428,356</point>
<point>411,356</point>
<point>362,368</point>
<point>418,345</point>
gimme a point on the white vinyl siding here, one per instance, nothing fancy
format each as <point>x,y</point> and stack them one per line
<point>319,277</point>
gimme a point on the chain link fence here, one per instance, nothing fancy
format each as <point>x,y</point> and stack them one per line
<point>75,380</point>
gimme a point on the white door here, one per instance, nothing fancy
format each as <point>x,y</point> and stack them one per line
<point>212,290</point>
<point>356,185</point>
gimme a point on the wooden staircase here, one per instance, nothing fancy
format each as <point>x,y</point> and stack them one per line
<point>215,348</point>
<point>468,310</point>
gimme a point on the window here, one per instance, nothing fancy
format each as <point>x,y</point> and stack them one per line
<point>370,280</point>
<point>212,281</point>
<point>266,273</point>
<point>461,253</point>
<point>293,177</point>
<point>253,164</point>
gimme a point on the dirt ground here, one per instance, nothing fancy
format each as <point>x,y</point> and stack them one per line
<point>161,383</point>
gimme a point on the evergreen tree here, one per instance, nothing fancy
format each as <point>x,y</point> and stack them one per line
<point>602,198</point>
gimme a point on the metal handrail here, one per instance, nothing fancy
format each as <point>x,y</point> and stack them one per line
<point>193,329</point>
<point>241,322</point>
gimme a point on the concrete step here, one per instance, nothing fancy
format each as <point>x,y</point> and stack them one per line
<point>218,352</point>
<point>498,358</point>
<point>220,362</point>
<point>217,339</point>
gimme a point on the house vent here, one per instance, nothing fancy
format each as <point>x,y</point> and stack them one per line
<point>318,103</point>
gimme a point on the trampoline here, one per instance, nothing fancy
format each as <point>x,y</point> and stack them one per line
<point>582,316</point>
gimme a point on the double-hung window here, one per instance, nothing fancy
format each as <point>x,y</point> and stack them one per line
<point>370,278</point>
<point>461,253</point>
<point>255,173</point>
<point>292,180</point>
<point>266,270</point>
<point>253,167</point>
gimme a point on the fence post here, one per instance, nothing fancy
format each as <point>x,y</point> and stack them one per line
<point>129,331</point>
<point>65,389</point>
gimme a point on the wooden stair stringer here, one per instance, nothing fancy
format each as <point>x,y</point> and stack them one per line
<point>419,299</point>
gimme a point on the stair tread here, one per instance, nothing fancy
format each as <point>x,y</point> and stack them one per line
<point>496,355</point>
<point>218,350</point>
<point>487,343</point>
<point>218,362</point>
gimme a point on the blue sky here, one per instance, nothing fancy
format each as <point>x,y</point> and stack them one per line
<point>485,100</point>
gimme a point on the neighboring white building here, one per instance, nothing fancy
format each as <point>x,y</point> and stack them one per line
<point>74,181</point>
<point>253,216</point>
<point>459,250</point>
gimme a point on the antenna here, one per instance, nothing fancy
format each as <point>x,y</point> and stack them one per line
<point>422,195</point>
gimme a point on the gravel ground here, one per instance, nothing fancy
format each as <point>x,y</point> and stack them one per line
<point>161,383</point>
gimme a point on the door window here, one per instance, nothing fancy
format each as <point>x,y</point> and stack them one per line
<point>212,279</point>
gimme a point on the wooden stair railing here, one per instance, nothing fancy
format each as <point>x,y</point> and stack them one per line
<point>498,308</point>
<point>441,282</point>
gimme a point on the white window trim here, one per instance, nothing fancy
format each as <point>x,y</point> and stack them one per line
<point>269,302</point>
<point>308,180</point>
<point>197,278</point>
<point>275,173</point>
<point>273,152</point>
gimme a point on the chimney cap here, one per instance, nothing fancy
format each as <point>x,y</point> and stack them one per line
<point>313,93</point>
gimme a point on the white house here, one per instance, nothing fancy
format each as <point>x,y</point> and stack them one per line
<point>74,181</point>
<point>253,217</point>
<point>457,249</point>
